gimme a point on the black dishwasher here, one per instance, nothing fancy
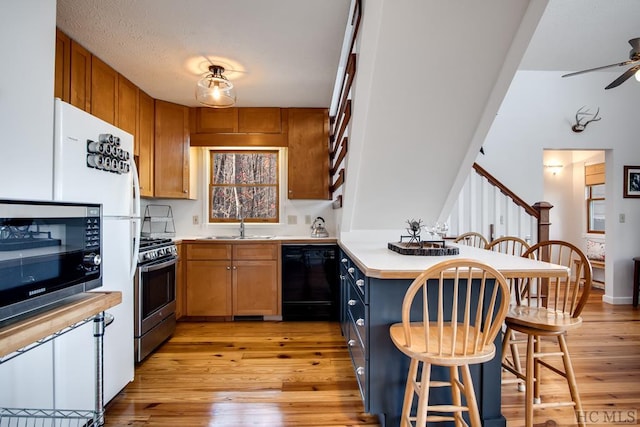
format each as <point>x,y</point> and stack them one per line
<point>310,284</point>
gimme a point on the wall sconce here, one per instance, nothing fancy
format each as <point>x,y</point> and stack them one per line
<point>554,169</point>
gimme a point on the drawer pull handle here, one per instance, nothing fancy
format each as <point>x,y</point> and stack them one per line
<point>351,343</point>
<point>360,322</point>
<point>360,282</point>
<point>351,270</point>
<point>352,302</point>
<point>360,370</point>
<point>344,260</point>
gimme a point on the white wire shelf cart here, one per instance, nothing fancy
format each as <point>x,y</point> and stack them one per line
<point>158,222</point>
<point>24,335</point>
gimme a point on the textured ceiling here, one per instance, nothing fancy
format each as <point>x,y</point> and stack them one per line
<point>285,52</point>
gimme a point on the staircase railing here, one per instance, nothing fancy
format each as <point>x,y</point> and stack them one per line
<point>487,206</point>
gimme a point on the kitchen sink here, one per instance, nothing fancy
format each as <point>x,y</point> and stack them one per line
<point>252,237</point>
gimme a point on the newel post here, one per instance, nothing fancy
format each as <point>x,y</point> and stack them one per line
<point>543,220</point>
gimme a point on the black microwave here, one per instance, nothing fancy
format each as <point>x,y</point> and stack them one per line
<point>49,251</point>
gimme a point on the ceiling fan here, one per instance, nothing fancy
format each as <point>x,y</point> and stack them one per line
<point>634,57</point>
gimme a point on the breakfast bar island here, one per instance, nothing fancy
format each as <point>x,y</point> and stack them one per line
<point>374,280</point>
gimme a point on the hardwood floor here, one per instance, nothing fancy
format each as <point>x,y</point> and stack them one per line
<point>300,374</point>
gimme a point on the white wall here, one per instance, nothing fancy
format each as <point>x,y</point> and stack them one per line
<point>297,211</point>
<point>537,114</point>
<point>27,30</point>
<point>417,114</point>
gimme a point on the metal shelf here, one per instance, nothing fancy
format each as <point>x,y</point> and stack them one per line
<point>26,417</point>
<point>158,222</point>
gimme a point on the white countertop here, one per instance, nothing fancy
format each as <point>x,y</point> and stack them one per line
<point>376,260</point>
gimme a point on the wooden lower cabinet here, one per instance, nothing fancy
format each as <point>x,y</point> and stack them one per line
<point>255,290</point>
<point>209,288</point>
<point>232,279</point>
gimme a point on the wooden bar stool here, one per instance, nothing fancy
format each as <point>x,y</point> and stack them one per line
<point>463,305</point>
<point>550,308</point>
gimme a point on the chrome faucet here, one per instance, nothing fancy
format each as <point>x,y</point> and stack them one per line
<point>241,227</point>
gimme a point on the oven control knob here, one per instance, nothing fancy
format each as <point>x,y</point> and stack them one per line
<point>91,260</point>
<point>148,256</point>
<point>160,251</point>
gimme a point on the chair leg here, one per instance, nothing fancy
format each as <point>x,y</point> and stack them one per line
<point>528,396</point>
<point>470,396</point>
<point>423,396</point>
<point>571,379</point>
<point>536,371</point>
<point>508,341</point>
<point>409,391</point>
<point>455,394</point>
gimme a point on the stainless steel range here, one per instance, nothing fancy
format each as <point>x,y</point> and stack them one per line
<point>155,295</point>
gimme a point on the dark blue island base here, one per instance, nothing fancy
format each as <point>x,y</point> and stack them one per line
<point>369,306</point>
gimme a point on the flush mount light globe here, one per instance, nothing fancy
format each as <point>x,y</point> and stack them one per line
<point>214,90</point>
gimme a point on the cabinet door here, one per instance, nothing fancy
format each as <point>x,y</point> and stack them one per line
<point>255,288</point>
<point>308,172</point>
<point>171,150</point>
<point>80,86</point>
<point>208,288</point>
<point>104,90</point>
<point>62,79</point>
<point>259,120</point>
<point>212,120</point>
<point>127,110</point>
<point>144,143</point>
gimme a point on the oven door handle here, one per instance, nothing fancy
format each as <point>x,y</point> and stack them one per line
<point>154,267</point>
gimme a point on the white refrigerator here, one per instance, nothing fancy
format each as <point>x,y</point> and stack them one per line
<point>82,173</point>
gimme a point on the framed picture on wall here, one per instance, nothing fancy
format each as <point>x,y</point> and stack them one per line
<point>632,181</point>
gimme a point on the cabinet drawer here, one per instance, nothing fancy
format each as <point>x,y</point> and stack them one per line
<point>208,251</point>
<point>255,251</point>
<point>356,314</point>
<point>359,360</point>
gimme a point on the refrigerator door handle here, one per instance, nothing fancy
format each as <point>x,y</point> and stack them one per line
<point>137,220</point>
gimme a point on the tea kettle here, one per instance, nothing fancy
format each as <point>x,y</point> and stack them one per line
<point>317,228</point>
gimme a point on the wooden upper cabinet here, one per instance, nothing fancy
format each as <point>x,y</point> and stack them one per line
<point>144,143</point>
<point>171,155</point>
<point>62,76</point>
<point>308,165</point>
<point>104,91</point>
<point>216,120</point>
<point>80,75</point>
<point>259,120</point>
<point>238,120</point>
<point>127,111</point>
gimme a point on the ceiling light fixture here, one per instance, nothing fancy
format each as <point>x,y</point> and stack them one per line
<point>214,90</point>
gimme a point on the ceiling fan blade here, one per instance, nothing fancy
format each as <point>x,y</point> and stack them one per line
<point>619,64</point>
<point>617,82</point>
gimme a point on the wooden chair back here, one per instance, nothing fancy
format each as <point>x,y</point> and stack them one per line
<point>469,308</point>
<point>568,294</point>
<point>472,238</point>
<point>510,245</point>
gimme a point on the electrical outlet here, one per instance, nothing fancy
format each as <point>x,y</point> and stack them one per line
<point>196,220</point>
<point>292,219</point>
<point>307,219</point>
<point>621,218</point>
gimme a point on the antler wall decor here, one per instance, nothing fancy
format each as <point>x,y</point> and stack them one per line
<point>583,118</point>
